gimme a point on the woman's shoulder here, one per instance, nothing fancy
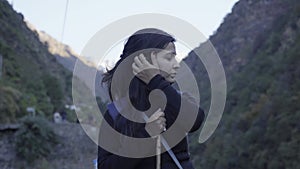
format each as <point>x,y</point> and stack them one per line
<point>113,117</point>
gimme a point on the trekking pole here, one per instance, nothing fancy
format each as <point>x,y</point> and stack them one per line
<point>166,145</point>
<point>158,152</point>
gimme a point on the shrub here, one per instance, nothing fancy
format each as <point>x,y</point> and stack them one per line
<point>35,138</point>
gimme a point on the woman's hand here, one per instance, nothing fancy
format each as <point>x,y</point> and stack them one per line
<point>143,69</point>
<point>156,124</point>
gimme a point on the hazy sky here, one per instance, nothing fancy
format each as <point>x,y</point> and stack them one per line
<point>86,17</point>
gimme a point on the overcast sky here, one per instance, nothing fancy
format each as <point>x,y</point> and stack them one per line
<point>86,17</point>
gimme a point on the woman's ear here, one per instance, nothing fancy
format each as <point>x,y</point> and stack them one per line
<point>153,53</point>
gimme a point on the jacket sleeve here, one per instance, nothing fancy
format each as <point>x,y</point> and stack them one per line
<point>174,102</point>
<point>108,160</point>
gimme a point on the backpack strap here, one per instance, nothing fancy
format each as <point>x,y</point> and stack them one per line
<point>112,110</point>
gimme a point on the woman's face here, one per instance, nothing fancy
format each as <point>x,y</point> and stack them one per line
<point>167,63</point>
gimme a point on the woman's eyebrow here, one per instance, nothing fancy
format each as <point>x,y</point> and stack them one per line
<point>172,52</point>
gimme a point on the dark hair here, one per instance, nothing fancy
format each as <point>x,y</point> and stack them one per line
<point>149,38</point>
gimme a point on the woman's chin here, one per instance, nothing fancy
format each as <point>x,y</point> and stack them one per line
<point>171,79</point>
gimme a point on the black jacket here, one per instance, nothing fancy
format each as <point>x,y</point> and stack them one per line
<point>175,101</point>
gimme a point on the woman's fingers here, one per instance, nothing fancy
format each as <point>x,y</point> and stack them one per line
<point>156,124</point>
<point>161,122</point>
<point>138,62</point>
<point>135,68</point>
<point>156,115</point>
<point>161,119</point>
<point>143,69</point>
<point>143,59</point>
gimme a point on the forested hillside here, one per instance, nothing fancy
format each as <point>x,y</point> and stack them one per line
<point>30,75</point>
<point>259,45</point>
<point>34,83</point>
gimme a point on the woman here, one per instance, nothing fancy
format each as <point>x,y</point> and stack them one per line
<point>149,57</point>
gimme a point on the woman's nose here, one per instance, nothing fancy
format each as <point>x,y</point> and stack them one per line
<point>176,65</point>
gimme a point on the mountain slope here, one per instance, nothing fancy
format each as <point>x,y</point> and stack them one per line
<point>31,76</point>
<point>68,59</point>
<point>259,45</point>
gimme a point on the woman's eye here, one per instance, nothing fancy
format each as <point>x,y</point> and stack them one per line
<point>169,57</point>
